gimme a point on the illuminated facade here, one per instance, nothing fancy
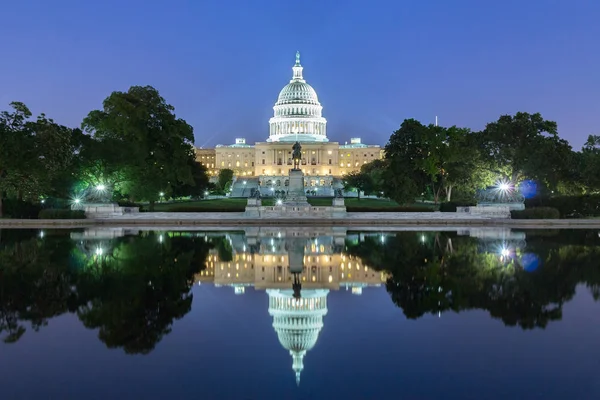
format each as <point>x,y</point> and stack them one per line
<point>297,116</point>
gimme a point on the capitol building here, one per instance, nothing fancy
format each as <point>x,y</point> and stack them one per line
<point>297,116</point>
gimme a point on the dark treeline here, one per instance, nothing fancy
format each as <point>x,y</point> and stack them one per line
<point>134,148</point>
<point>451,163</point>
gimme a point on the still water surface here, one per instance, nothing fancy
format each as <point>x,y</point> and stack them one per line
<point>274,313</point>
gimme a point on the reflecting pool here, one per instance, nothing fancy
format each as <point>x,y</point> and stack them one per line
<point>295,313</point>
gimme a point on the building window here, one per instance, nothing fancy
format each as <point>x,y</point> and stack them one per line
<point>222,163</point>
<point>330,161</point>
<point>330,171</point>
<point>263,161</point>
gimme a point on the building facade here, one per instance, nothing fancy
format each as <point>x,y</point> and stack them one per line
<point>297,116</point>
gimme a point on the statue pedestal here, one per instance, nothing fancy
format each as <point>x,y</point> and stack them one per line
<point>253,207</point>
<point>296,195</point>
<point>338,207</point>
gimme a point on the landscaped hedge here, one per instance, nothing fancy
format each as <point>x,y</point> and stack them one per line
<point>127,203</point>
<point>569,206</point>
<point>407,209</point>
<point>450,206</point>
<point>190,209</point>
<point>536,213</point>
<point>52,213</point>
<point>13,208</point>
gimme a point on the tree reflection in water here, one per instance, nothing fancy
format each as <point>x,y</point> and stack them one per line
<point>526,286</point>
<point>130,288</point>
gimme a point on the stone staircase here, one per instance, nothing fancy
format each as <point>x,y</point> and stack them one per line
<point>239,189</point>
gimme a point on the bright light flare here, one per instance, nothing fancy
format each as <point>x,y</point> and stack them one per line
<point>99,251</point>
<point>279,202</point>
<point>101,188</point>
<point>504,186</point>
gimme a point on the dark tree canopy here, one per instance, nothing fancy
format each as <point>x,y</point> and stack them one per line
<point>152,145</point>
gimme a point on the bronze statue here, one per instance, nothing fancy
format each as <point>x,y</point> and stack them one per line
<point>296,155</point>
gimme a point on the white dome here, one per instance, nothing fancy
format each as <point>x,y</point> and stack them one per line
<point>297,92</point>
<point>297,112</point>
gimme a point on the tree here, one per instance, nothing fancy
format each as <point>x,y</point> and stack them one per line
<point>589,165</point>
<point>16,148</point>
<point>199,182</point>
<point>225,178</point>
<point>404,182</point>
<point>525,146</point>
<point>57,151</point>
<point>376,171</point>
<point>154,146</point>
<point>429,159</point>
<point>360,181</point>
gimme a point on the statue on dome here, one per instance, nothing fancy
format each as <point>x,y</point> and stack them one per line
<point>297,155</point>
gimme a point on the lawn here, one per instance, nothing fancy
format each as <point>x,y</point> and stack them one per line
<point>239,204</point>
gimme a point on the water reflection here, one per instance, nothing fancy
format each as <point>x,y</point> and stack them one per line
<point>131,286</point>
<point>521,278</point>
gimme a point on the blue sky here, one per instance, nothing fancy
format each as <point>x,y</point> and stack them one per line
<point>221,64</point>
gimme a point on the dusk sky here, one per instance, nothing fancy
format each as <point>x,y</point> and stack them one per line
<point>221,64</point>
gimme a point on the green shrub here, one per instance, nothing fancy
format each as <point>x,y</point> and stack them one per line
<point>52,213</point>
<point>536,213</point>
<point>127,203</point>
<point>450,206</point>
<point>229,208</point>
<point>569,206</point>
<point>408,209</point>
<point>14,208</point>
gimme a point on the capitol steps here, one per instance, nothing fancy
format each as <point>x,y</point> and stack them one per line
<point>239,189</point>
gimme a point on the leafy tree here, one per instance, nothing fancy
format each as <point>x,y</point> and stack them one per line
<point>154,147</point>
<point>525,146</point>
<point>404,181</point>
<point>37,158</point>
<point>359,181</point>
<point>589,166</point>
<point>376,171</point>
<point>16,149</point>
<point>57,151</point>
<point>433,158</point>
<point>225,178</point>
<point>200,182</point>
